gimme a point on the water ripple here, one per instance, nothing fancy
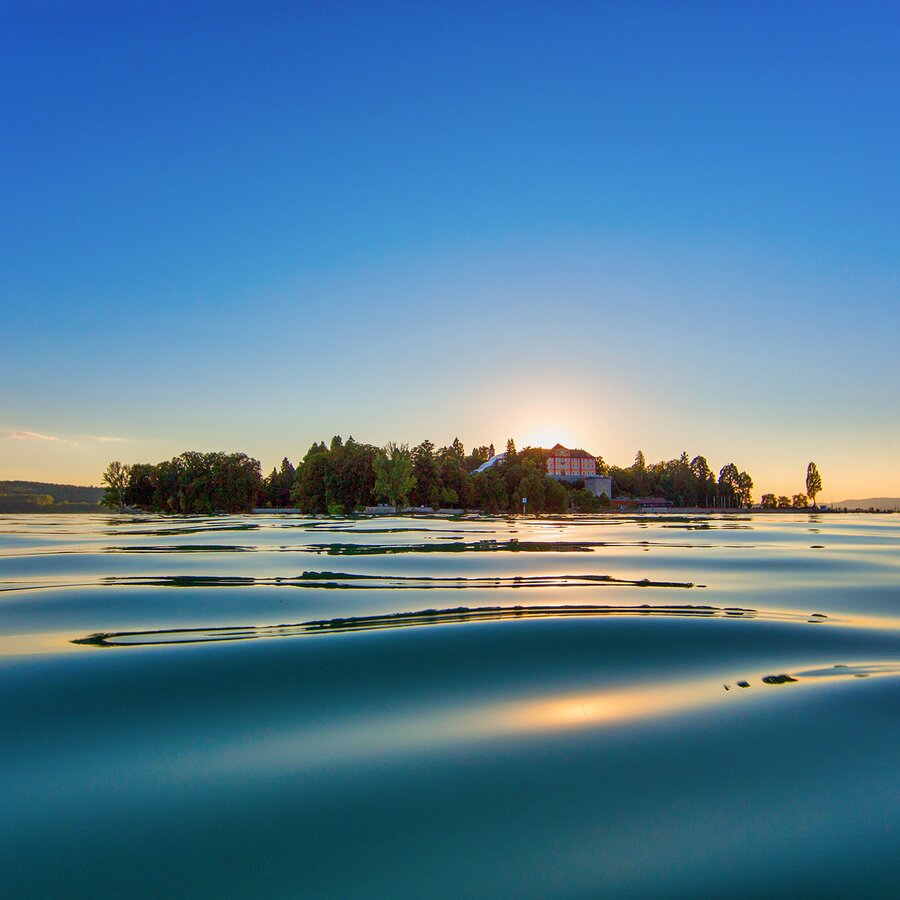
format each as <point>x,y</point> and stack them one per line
<point>456,615</point>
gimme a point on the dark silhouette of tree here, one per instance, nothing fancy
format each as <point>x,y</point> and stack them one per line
<point>704,477</point>
<point>729,484</point>
<point>276,489</point>
<point>744,489</point>
<point>680,481</point>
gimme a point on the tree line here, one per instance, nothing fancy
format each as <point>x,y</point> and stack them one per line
<point>345,476</point>
<point>190,483</point>
<point>44,497</point>
<point>684,482</point>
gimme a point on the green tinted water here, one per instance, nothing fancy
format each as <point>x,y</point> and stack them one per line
<point>585,706</point>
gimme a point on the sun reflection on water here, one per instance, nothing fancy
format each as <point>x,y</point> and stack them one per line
<point>612,706</point>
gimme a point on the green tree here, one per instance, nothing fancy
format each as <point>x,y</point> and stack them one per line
<point>681,481</point>
<point>456,485</point>
<point>533,487</point>
<point>191,483</point>
<point>308,492</point>
<point>784,502</point>
<point>536,457</point>
<point>638,482</point>
<point>286,477</point>
<point>744,489</point>
<point>115,481</point>
<point>335,479</point>
<point>703,474</point>
<point>276,488</point>
<point>425,468</point>
<point>394,477</point>
<point>269,488</point>
<point>800,501</point>
<point>729,483</point>
<point>478,456</point>
<point>358,474</point>
<point>556,497</point>
<point>490,491</point>
<point>510,450</point>
<point>585,501</point>
<point>143,486</point>
<point>338,487</point>
<point>769,501</point>
<point>813,482</point>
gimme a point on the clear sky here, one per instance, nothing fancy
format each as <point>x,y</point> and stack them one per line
<point>626,225</point>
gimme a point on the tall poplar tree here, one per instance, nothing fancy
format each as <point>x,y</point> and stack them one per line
<point>813,482</point>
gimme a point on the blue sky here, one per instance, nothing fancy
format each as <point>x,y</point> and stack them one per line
<point>250,226</point>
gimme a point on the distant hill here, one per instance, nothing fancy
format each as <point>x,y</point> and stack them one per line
<point>41,496</point>
<point>870,503</point>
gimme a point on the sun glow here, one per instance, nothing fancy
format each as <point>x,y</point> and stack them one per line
<point>613,706</point>
<point>548,436</point>
<point>553,416</point>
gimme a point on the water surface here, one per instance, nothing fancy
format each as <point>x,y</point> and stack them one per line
<point>575,706</point>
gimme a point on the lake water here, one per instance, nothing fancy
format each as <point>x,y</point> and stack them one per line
<point>696,706</point>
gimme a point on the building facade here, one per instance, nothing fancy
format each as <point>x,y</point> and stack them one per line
<point>564,464</point>
<point>568,463</point>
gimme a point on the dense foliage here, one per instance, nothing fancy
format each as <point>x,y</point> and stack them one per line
<point>345,476</point>
<point>190,483</point>
<point>341,477</point>
<point>334,479</point>
<point>684,482</point>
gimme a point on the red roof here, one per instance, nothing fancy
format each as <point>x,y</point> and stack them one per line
<point>578,454</point>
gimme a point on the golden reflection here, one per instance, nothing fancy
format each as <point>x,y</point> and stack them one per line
<point>35,643</point>
<point>613,706</point>
<point>619,705</point>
